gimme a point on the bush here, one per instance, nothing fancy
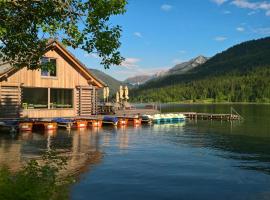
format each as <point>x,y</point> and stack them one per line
<point>36,180</point>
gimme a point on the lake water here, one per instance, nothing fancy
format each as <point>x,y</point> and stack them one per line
<point>191,160</point>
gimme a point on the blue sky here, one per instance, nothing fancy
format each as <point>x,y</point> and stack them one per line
<point>157,34</point>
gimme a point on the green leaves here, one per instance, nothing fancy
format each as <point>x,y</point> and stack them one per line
<point>26,26</point>
<point>37,180</point>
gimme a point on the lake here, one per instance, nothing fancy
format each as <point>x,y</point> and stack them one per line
<point>191,160</point>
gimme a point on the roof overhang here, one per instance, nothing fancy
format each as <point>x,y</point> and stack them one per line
<point>57,46</point>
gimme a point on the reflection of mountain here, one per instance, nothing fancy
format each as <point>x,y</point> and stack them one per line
<point>253,151</point>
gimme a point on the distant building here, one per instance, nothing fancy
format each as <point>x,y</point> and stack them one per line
<point>68,90</point>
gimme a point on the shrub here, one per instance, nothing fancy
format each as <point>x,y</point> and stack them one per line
<point>37,180</point>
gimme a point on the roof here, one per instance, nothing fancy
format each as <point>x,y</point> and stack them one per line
<point>5,68</point>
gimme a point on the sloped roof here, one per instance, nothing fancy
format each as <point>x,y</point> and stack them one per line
<point>5,68</point>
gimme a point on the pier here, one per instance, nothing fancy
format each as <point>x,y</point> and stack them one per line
<point>128,118</point>
<point>211,116</point>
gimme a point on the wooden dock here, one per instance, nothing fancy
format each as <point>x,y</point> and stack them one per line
<point>124,118</point>
<point>133,112</point>
<point>211,116</point>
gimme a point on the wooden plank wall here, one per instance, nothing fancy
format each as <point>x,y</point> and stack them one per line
<point>10,101</point>
<point>84,100</point>
<point>45,113</point>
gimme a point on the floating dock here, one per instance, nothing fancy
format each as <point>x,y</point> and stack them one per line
<point>14,125</point>
<point>211,116</point>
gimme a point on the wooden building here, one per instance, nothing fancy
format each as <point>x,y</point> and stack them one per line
<point>67,90</point>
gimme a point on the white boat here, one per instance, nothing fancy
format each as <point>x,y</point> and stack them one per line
<point>168,118</point>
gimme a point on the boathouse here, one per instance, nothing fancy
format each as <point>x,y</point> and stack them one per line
<point>67,90</point>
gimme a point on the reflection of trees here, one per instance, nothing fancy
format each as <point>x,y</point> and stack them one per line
<point>252,152</point>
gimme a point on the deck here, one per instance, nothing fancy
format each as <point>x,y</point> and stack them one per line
<point>121,118</point>
<point>211,116</point>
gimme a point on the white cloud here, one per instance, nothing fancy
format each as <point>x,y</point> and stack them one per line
<point>123,73</point>
<point>220,38</point>
<point>177,61</point>
<point>227,12</point>
<point>91,55</point>
<point>130,62</point>
<point>166,7</point>
<point>240,29</point>
<point>219,2</point>
<point>260,5</point>
<point>262,30</point>
<point>138,34</point>
<point>244,4</point>
<point>252,13</point>
<point>182,51</point>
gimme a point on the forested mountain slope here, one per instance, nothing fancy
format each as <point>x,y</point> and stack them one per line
<point>240,73</point>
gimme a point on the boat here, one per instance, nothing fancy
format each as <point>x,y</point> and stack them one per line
<point>168,118</point>
<point>110,120</point>
<point>147,119</point>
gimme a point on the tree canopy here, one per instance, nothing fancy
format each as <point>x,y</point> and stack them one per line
<point>26,27</point>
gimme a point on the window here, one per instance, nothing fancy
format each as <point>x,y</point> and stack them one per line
<point>61,98</point>
<point>49,67</point>
<point>34,98</point>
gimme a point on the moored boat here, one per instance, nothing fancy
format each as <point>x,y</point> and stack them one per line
<point>168,118</point>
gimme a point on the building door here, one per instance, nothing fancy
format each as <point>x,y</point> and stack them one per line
<point>86,101</point>
<point>10,101</point>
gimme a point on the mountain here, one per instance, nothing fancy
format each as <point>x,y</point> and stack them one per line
<point>177,69</point>
<point>113,83</point>
<point>240,73</point>
<point>187,66</point>
<point>138,80</point>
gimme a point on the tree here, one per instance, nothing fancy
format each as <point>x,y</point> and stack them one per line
<point>26,27</point>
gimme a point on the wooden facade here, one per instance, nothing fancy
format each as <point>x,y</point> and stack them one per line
<point>71,76</point>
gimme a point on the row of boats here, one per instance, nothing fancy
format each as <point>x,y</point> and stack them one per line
<point>149,119</point>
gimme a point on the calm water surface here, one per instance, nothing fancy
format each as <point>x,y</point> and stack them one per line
<point>192,160</point>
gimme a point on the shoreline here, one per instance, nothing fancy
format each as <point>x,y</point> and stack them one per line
<point>204,103</point>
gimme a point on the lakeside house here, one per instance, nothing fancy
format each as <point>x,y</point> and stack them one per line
<point>67,90</point>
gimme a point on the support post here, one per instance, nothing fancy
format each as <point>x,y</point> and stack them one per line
<point>49,98</point>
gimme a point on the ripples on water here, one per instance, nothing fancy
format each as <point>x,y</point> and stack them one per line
<point>192,160</point>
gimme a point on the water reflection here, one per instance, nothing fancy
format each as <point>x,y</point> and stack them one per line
<point>201,156</point>
<point>226,141</point>
<point>81,147</point>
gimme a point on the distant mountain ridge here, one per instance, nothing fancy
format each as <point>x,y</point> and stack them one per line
<point>113,83</point>
<point>187,66</point>
<point>177,69</point>
<point>239,58</point>
<point>138,80</point>
<point>238,74</point>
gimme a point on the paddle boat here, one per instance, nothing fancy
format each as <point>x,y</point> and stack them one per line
<point>168,118</point>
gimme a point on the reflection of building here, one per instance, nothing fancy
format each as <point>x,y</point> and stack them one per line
<point>80,147</point>
<point>84,152</point>
<point>123,138</point>
<point>10,154</point>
